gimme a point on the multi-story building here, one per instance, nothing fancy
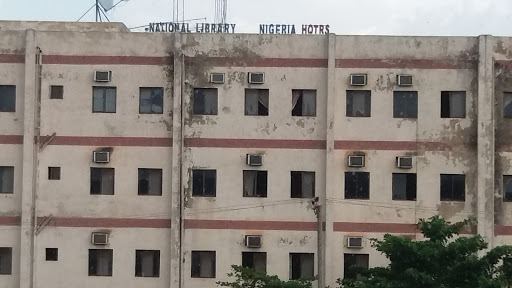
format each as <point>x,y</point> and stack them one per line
<point>363,135</point>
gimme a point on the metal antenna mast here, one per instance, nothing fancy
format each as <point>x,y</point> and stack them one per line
<point>221,11</point>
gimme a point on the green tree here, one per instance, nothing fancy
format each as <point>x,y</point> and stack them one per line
<point>249,278</point>
<point>440,261</point>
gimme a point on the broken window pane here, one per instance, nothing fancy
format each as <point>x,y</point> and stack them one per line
<point>358,103</point>
<point>256,102</point>
<point>203,264</point>
<point>357,185</point>
<point>204,183</point>
<point>405,104</point>
<point>404,186</point>
<point>102,181</point>
<point>255,183</point>
<point>150,181</point>
<point>507,188</point>
<point>6,179</point>
<point>205,101</point>
<point>302,184</point>
<point>151,101</point>
<point>303,102</point>
<point>453,104</point>
<point>453,187</point>
<point>52,254</point>
<point>355,260</point>
<point>255,260</point>
<point>53,173</point>
<point>7,98</point>
<point>302,266</point>
<point>56,92</point>
<point>100,262</point>
<point>104,99</point>
<point>507,104</point>
<point>147,263</point>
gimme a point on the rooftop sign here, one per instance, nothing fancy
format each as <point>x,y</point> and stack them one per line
<point>308,29</point>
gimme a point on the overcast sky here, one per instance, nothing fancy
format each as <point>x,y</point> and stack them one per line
<point>391,17</point>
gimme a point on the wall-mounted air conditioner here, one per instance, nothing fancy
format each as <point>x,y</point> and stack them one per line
<point>217,78</point>
<point>404,80</point>
<point>253,241</point>
<point>256,77</point>
<point>358,79</point>
<point>99,238</point>
<point>254,159</point>
<point>102,76</point>
<point>404,162</point>
<point>355,242</point>
<point>101,156</point>
<point>356,161</point>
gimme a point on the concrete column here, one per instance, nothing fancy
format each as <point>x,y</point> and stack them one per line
<point>325,242</point>
<point>29,162</point>
<point>177,152</point>
<point>486,136</point>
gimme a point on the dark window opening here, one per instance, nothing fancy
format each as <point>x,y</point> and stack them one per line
<point>150,181</point>
<point>56,92</point>
<point>303,102</point>
<point>52,254</point>
<point>404,186</point>
<point>357,185</point>
<point>204,183</point>
<point>302,184</point>
<point>255,260</point>
<point>507,188</point>
<point>53,173</point>
<point>5,260</point>
<point>255,183</point>
<point>354,264</point>
<point>203,264</point>
<point>405,104</point>
<point>507,104</point>
<point>302,266</point>
<point>104,99</point>
<point>151,101</point>
<point>102,181</point>
<point>100,262</point>
<point>256,102</point>
<point>359,103</point>
<point>147,263</point>
<point>453,104</point>
<point>205,101</point>
<point>7,98</point>
<point>453,187</point>
<point>6,179</point>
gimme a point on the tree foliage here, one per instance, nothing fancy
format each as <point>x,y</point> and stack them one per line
<point>249,278</point>
<point>440,261</point>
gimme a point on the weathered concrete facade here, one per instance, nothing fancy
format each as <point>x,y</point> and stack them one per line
<point>44,132</point>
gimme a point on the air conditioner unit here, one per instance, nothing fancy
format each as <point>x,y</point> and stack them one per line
<point>217,78</point>
<point>256,78</point>
<point>404,80</point>
<point>253,241</point>
<point>102,76</point>
<point>404,162</point>
<point>355,242</point>
<point>356,161</point>
<point>358,79</point>
<point>99,238</point>
<point>254,159</point>
<point>101,156</point>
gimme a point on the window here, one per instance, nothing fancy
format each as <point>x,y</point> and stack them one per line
<point>5,260</point>
<point>255,260</point>
<point>53,173</point>
<point>453,104</point>
<point>359,103</point>
<point>56,92</point>
<point>52,254</point>
<point>507,104</point>
<point>303,102</point>
<point>203,264</point>
<point>147,263</point>
<point>255,183</point>
<point>150,181</point>
<point>302,265</point>
<point>6,179</point>
<point>102,181</point>
<point>353,263</point>
<point>104,99</point>
<point>7,98</point>
<point>405,104</point>
<point>453,187</point>
<point>404,186</point>
<point>205,101</point>
<point>100,262</point>
<point>204,183</point>
<point>302,184</point>
<point>256,102</point>
<point>507,188</point>
<point>357,185</point>
<point>151,101</point>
